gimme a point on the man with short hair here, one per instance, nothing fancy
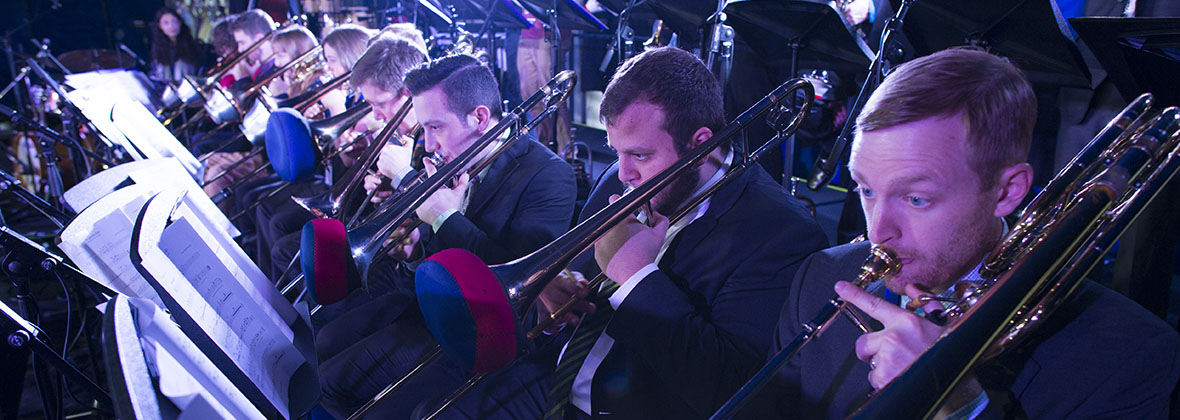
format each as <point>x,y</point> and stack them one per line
<point>522,201</point>
<point>248,28</point>
<point>378,74</point>
<point>687,323</point>
<point>939,158</point>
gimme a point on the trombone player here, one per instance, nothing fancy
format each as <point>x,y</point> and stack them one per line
<point>940,159</point>
<point>522,201</point>
<point>687,322</point>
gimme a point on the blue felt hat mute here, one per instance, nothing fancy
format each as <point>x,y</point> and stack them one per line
<point>466,310</point>
<point>289,145</point>
<point>328,267</point>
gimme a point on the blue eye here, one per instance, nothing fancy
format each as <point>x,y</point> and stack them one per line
<point>917,201</point>
<point>864,192</point>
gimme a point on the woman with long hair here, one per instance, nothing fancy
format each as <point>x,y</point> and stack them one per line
<point>175,53</point>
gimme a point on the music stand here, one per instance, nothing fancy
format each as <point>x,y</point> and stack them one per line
<point>570,15</point>
<point>799,33</point>
<point>1029,33</point>
<point>1139,54</point>
<point>506,14</point>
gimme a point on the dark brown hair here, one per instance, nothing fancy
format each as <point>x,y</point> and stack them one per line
<point>674,80</point>
<point>465,81</point>
<point>164,51</point>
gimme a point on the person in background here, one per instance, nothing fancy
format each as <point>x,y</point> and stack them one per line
<point>175,53</point>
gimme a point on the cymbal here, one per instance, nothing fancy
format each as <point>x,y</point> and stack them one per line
<point>95,59</point>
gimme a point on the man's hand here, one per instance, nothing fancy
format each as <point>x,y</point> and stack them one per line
<point>905,336</point>
<point>630,246</point>
<point>375,182</point>
<point>407,248</point>
<point>394,159</point>
<point>557,293</point>
<point>443,199</point>
<point>349,153</point>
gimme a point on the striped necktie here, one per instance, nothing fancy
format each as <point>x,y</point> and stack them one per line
<point>577,350</point>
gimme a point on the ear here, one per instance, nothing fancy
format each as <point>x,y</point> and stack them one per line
<point>1012,186</point>
<point>700,136</point>
<point>483,117</point>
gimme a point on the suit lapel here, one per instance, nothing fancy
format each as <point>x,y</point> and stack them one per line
<point>693,234</point>
<point>498,174</point>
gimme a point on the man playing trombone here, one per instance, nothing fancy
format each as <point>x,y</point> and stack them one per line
<point>939,159</point>
<point>519,203</point>
<point>687,318</point>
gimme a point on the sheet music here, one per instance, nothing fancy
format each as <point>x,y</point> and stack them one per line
<point>97,109</point>
<point>186,373</point>
<point>170,174</point>
<point>142,128</point>
<point>97,241</point>
<point>230,312</point>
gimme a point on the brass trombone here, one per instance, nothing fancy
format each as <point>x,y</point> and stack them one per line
<point>366,240</point>
<point>524,278</point>
<point>222,105</point>
<point>1060,236</point>
<point>325,132</point>
<point>192,91</point>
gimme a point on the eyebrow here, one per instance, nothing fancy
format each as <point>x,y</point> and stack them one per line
<point>912,179</point>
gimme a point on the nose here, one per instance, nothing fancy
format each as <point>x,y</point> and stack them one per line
<point>628,174</point>
<point>882,222</point>
<point>431,142</point>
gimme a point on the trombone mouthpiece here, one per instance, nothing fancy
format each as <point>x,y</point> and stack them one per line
<point>882,265</point>
<point>466,310</point>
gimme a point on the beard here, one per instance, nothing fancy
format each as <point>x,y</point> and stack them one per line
<point>937,268</point>
<point>677,193</point>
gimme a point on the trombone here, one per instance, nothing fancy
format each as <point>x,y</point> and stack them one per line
<point>366,240</point>
<point>1060,236</point>
<point>324,132</point>
<point>523,279</point>
<point>193,90</point>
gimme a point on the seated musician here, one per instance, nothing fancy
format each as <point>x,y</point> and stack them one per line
<point>689,320</point>
<point>250,27</point>
<point>939,158</point>
<point>288,45</point>
<point>522,201</point>
<point>382,67</point>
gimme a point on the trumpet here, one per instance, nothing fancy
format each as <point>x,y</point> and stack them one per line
<point>1059,237</point>
<point>193,89</point>
<point>522,280</point>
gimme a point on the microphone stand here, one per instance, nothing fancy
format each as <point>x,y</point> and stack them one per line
<point>824,168</point>
<point>10,183</point>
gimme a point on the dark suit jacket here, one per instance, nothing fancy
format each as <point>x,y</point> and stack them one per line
<point>525,201</point>
<point>1100,355</point>
<point>694,330</point>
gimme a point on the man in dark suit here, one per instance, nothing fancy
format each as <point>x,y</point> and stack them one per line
<point>522,201</point>
<point>940,159</point>
<point>685,326</point>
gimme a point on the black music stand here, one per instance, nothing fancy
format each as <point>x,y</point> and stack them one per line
<point>799,34</point>
<point>22,261</point>
<point>1029,33</point>
<point>1139,54</point>
<point>570,15</point>
<point>505,14</point>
